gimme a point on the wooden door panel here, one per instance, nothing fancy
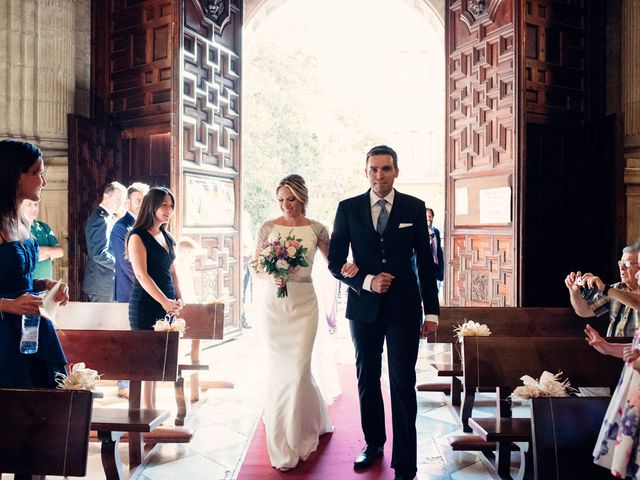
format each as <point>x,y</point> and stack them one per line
<point>210,153</point>
<point>482,151</point>
<point>95,159</point>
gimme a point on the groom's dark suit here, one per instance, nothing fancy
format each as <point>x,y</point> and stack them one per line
<point>395,315</point>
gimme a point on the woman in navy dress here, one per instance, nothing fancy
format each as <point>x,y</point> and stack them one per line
<point>155,290</point>
<point>23,179</point>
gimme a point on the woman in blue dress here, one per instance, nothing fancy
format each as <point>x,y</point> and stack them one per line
<point>23,179</point>
<point>155,290</point>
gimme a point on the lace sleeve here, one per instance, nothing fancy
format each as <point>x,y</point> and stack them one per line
<point>263,235</point>
<point>321,232</point>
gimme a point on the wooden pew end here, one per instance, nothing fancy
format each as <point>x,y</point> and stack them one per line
<point>474,443</point>
<point>158,435</point>
<point>434,386</point>
<point>207,384</point>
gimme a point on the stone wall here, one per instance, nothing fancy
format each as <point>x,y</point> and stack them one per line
<point>45,59</point>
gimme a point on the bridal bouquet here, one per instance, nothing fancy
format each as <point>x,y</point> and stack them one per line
<point>279,257</point>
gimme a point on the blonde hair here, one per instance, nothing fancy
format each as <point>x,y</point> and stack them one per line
<point>296,184</point>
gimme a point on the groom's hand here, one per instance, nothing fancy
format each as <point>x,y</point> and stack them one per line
<point>381,282</point>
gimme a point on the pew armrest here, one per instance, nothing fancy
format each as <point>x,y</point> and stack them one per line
<point>502,429</point>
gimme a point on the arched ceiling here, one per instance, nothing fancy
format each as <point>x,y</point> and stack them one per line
<point>256,11</point>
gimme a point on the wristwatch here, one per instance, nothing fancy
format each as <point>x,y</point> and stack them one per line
<point>606,290</point>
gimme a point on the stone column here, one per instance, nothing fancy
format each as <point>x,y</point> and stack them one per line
<point>45,58</point>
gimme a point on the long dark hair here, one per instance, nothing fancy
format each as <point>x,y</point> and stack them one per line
<point>150,203</point>
<point>16,157</point>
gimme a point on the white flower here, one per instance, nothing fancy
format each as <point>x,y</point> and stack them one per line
<point>282,264</point>
<point>472,329</point>
<point>79,378</point>
<point>291,251</point>
<point>549,385</point>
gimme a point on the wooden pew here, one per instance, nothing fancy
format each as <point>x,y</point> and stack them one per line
<point>564,431</point>
<point>510,321</point>
<point>499,363</point>
<point>137,356</point>
<point>44,432</point>
<point>204,322</point>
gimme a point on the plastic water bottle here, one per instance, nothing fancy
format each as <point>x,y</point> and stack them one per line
<point>29,339</point>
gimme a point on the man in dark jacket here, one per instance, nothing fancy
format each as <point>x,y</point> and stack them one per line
<point>123,269</point>
<point>384,229</point>
<point>98,276</point>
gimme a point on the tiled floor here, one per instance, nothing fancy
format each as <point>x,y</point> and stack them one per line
<point>224,420</point>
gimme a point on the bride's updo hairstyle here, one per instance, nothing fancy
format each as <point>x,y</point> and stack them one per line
<point>295,183</point>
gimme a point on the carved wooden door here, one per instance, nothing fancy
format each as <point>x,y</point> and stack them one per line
<point>209,146</point>
<point>95,158</point>
<point>482,146</point>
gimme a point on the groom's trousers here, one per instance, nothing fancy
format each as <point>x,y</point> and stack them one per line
<point>402,352</point>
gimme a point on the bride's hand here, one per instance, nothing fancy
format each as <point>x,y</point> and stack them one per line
<point>279,282</point>
<point>349,270</point>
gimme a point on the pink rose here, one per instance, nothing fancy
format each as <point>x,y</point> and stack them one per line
<point>291,251</point>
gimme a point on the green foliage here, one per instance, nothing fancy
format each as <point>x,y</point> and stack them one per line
<point>291,126</point>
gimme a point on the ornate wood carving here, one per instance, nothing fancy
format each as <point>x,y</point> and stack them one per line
<point>482,145</point>
<point>218,11</point>
<point>210,154</point>
<point>555,61</point>
<point>95,158</point>
<point>482,269</point>
<point>137,78</point>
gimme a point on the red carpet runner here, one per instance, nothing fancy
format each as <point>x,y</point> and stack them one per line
<point>335,454</point>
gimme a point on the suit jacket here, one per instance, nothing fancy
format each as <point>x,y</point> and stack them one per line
<point>440,254</point>
<point>98,276</point>
<point>124,271</point>
<point>404,237</point>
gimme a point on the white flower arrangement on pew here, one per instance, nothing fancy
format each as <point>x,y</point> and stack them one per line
<point>171,324</point>
<point>549,385</point>
<point>471,329</point>
<point>80,378</point>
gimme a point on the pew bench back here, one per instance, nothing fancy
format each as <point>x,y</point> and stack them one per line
<point>490,362</point>
<point>44,431</point>
<point>564,431</point>
<point>118,354</point>
<point>204,321</point>
<point>514,322</point>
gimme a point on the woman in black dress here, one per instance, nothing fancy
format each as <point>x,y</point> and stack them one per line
<point>155,291</point>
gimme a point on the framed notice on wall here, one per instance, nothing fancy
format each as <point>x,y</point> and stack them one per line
<point>483,201</point>
<point>209,201</point>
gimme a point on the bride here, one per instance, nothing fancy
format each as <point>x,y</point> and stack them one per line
<point>295,414</point>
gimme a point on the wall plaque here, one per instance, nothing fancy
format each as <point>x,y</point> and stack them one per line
<point>209,201</point>
<point>495,205</point>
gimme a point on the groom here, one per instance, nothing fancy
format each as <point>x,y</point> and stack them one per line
<point>385,229</point>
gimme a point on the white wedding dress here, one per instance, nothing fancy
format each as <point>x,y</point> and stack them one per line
<point>295,414</point>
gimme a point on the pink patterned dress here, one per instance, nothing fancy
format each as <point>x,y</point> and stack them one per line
<point>617,445</point>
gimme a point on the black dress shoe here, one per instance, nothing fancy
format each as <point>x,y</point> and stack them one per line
<point>366,458</point>
<point>399,476</point>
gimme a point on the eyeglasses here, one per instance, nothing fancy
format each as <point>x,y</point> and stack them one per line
<point>626,264</point>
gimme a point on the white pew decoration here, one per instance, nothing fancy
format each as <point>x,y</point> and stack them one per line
<point>549,385</point>
<point>80,378</point>
<point>171,324</point>
<point>471,329</point>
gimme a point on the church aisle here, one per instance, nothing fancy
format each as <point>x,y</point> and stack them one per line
<point>225,420</point>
